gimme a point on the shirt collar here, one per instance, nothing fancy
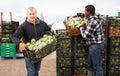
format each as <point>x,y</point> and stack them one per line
<point>36,22</point>
<point>91,17</point>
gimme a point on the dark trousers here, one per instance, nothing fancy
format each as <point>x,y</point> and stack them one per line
<point>32,68</point>
<point>95,59</point>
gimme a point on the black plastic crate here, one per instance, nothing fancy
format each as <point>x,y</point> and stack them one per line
<point>7,31</point>
<point>7,28</point>
<point>114,64</point>
<point>66,42</point>
<point>81,71</point>
<point>115,39</point>
<point>62,32</point>
<point>63,62</point>
<point>115,59</point>
<point>115,45</point>
<point>114,70</point>
<point>63,52</point>
<point>6,40</point>
<point>64,71</point>
<point>115,50</point>
<point>81,53</point>
<point>80,62</point>
<point>114,21</point>
<point>7,35</point>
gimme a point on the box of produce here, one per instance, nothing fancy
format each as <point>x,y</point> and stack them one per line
<point>114,65</point>
<point>65,42</point>
<point>80,71</point>
<point>63,62</point>
<point>6,40</point>
<point>114,21</point>
<point>114,45</point>
<point>63,52</point>
<point>64,71</point>
<point>80,53</point>
<point>71,25</point>
<point>80,62</point>
<point>40,48</point>
<point>4,31</point>
<point>62,33</point>
<point>114,31</point>
<point>114,70</point>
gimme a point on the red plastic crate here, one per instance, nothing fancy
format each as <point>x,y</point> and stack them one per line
<point>114,31</point>
<point>73,31</point>
<point>80,74</point>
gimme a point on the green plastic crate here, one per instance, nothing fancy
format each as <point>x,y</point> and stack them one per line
<point>8,50</point>
<point>118,14</point>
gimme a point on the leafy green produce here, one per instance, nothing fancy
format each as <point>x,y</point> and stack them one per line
<point>41,43</point>
<point>74,21</point>
<point>64,71</point>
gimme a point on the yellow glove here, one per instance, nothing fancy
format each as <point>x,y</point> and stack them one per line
<point>22,46</point>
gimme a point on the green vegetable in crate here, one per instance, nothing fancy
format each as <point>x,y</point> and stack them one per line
<point>74,21</point>
<point>41,43</point>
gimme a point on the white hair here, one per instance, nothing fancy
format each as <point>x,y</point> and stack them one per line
<point>31,8</point>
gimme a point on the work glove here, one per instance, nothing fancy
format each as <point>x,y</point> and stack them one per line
<point>22,46</point>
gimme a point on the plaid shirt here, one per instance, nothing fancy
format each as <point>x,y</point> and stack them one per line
<point>93,31</point>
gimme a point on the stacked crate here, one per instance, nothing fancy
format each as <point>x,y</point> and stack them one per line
<point>63,54</point>
<point>0,39</point>
<point>71,55</point>
<point>76,56</point>
<point>114,57</point>
<point>6,32</point>
<point>80,56</point>
<point>0,32</point>
<point>8,50</point>
<point>104,19</point>
<point>114,48</point>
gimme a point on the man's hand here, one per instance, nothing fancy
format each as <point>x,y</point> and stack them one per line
<point>22,46</point>
<point>84,22</point>
<point>52,30</point>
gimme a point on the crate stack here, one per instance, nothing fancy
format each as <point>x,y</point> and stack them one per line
<point>114,64</point>
<point>63,54</point>
<point>8,49</point>
<point>104,19</point>
<point>71,55</point>
<point>114,48</point>
<point>0,39</point>
<point>6,32</point>
<point>0,32</point>
<point>80,56</point>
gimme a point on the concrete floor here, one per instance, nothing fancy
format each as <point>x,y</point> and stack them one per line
<point>17,67</point>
